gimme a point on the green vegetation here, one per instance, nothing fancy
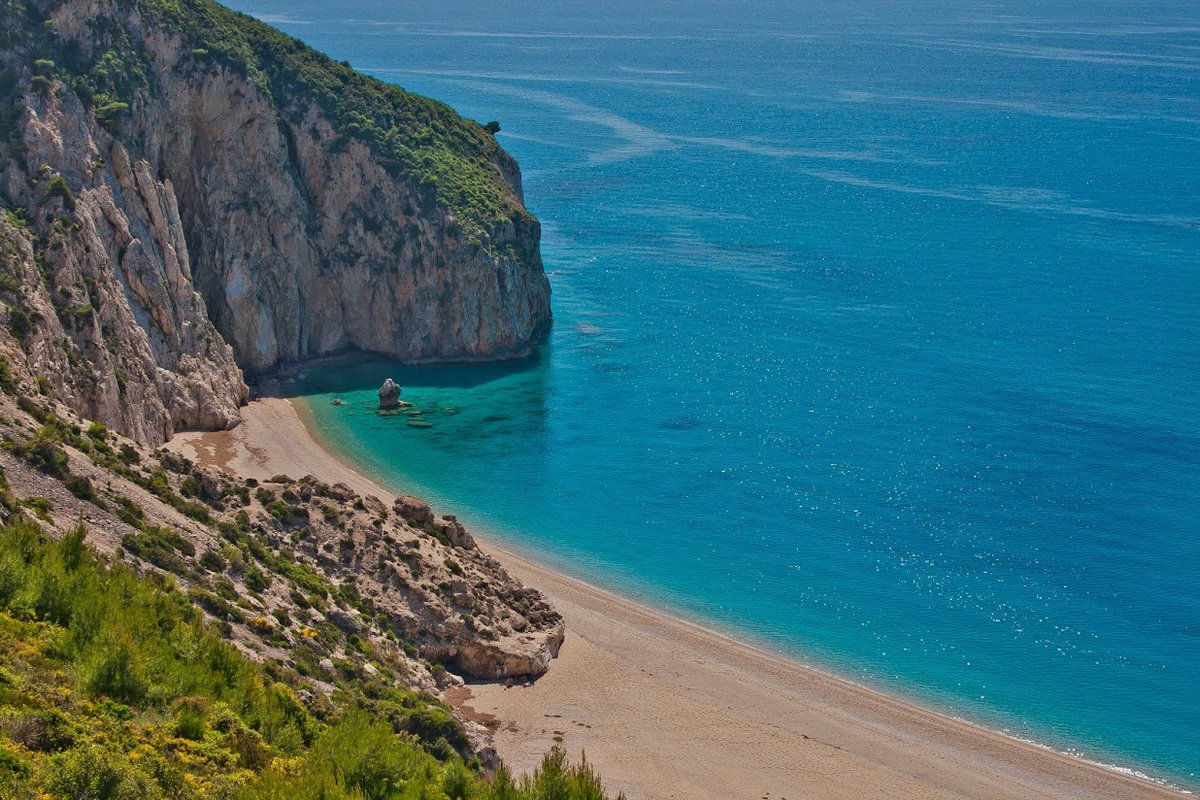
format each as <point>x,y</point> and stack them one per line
<point>57,187</point>
<point>8,383</point>
<point>113,688</point>
<point>44,451</point>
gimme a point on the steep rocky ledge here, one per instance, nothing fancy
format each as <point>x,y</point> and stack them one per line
<point>294,570</point>
<point>191,194</point>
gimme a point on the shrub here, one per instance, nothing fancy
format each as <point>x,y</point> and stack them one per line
<point>212,561</point>
<point>116,671</point>
<point>129,512</point>
<point>21,322</point>
<point>160,547</point>
<point>364,755</point>
<point>191,487</point>
<point>72,547</point>
<point>190,720</point>
<point>44,452</point>
<point>458,782</point>
<point>40,505</point>
<point>108,112</point>
<point>12,767</point>
<point>81,487</point>
<point>255,580</point>
<point>57,187</point>
<point>7,382</point>
<point>215,605</point>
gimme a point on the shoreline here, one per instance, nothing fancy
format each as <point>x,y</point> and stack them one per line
<point>667,707</point>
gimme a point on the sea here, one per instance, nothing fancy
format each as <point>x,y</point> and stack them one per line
<point>876,339</point>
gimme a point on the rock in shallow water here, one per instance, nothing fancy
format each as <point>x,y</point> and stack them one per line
<point>389,394</point>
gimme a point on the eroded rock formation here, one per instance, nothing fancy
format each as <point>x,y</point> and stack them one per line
<point>389,394</point>
<point>181,210</point>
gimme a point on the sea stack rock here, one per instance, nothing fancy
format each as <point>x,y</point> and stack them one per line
<point>389,395</point>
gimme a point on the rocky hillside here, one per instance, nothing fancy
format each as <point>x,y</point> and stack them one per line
<point>159,647</point>
<point>288,567</point>
<point>191,194</point>
<point>312,578</point>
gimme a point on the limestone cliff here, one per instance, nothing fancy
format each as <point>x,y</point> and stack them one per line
<point>191,192</point>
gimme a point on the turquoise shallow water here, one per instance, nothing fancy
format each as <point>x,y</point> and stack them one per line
<point>876,335</point>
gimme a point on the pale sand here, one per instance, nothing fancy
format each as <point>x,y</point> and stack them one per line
<point>666,709</point>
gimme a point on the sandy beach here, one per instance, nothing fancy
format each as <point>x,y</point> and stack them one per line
<point>667,709</point>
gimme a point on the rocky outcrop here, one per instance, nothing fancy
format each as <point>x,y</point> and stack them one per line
<point>183,209</point>
<point>294,569</point>
<point>97,284</point>
<point>519,654</point>
<point>389,394</point>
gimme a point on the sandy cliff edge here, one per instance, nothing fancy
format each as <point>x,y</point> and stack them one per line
<point>667,709</point>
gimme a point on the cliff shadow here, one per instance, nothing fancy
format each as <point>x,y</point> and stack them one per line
<point>360,371</point>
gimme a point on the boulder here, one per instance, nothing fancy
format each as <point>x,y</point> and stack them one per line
<point>346,621</point>
<point>413,509</point>
<point>516,654</point>
<point>455,533</point>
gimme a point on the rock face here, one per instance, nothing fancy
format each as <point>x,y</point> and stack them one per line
<point>97,287</point>
<point>201,208</point>
<point>389,394</point>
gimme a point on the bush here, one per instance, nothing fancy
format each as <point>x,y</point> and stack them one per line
<point>255,580</point>
<point>81,487</point>
<point>97,773</point>
<point>364,755</point>
<point>108,112</point>
<point>44,452</point>
<point>128,455</point>
<point>57,187</point>
<point>130,512</point>
<point>12,767</point>
<point>116,671</point>
<point>190,719</point>
<point>7,382</point>
<point>160,547</point>
<point>21,322</point>
<point>191,487</point>
<point>212,561</point>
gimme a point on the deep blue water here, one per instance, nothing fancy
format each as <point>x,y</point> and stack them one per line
<point>876,334</point>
